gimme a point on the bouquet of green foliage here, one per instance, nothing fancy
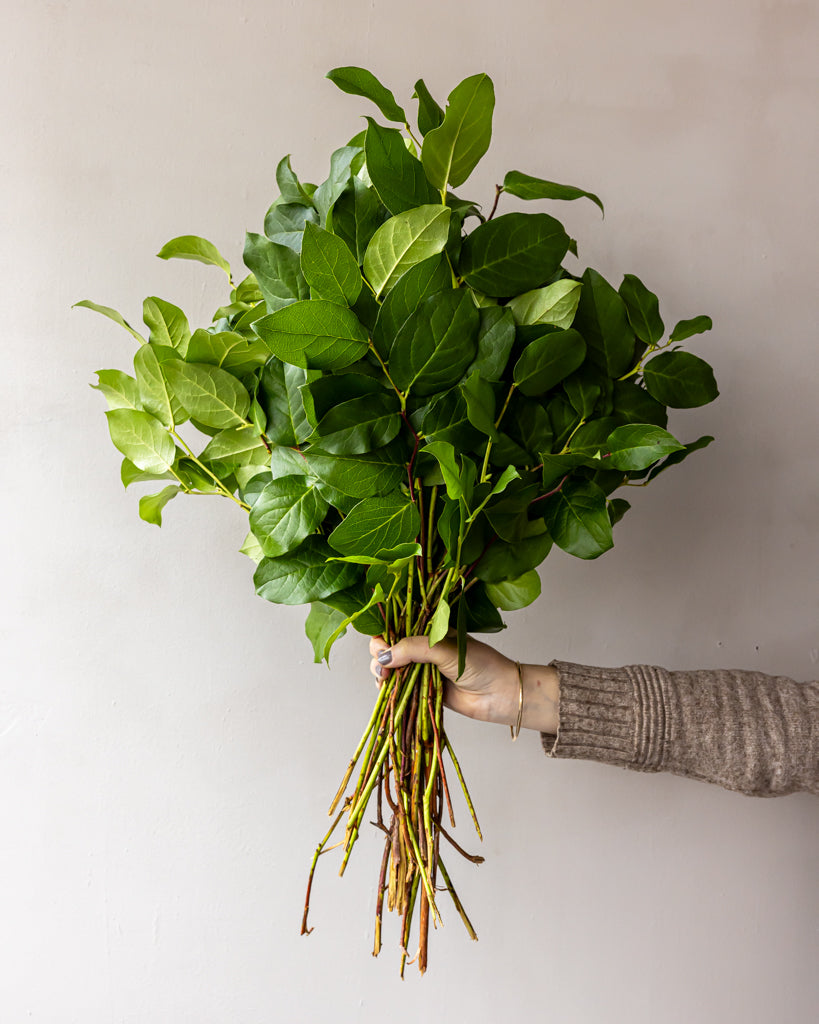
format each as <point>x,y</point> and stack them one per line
<point>413,402</point>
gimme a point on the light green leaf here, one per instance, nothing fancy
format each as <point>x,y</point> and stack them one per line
<point>398,177</point>
<point>252,548</point>
<point>291,189</point>
<point>226,349</point>
<point>688,328</point>
<point>120,390</point>
<point>436,343</point>
<point>142,439</point>
<point>329,267</point>
<point>167,323</point>
<point>156,394</point>
<point>192,247</point>
<point>517,593</point>
<point>329,191</point>
<point>404,240</point>
<point>211,396</point>
<point>555,304</point>
<point>513,253</point>
<point>284,223</point>
<point>303,575</point>
<point>637,445</point>
<point>643,309</point>
<point>452,150</point>
<point>287,462</point>
<point>439,623</point>
<point>130,474</point>
<point>360,82</point>
<point>151,505</point>
<point>112,314</point>
<point>578,521</point>
<point>524,186</point>
<point>680,380</point>
<point>287,511</point>
<point>430,114</point>
<point>547,360</point>
<point>376,523</point>
<point>239,446</point>
<point>277,271</point>
<point>444,454</point>
<point>323,622</point>
<point>317,334</point>
<point>359,476</point>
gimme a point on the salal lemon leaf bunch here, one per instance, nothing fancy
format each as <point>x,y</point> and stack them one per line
<point>413,400</point>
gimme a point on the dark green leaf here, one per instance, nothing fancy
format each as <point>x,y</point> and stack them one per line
<point>404,240</point>
<point>286,511</point>
<point>292,190</point>
<point>643,309</point>
<point>280,389</point>
<point>516,593</point>
<point>495,340</point>
<point>406,295</point>
<point>677,457</point>
<point>601,319</point>
<point>284,224</point>
<point>502,561</point>
<point>351,601</point>
<point>583,389</point>
<point>329,267</point>
<point>637,445</point>
<point>398,177</point>
<point>142,439</point>
<point>445,419</point>
<point>303,575</point>
<point>329,191</point>
<point>376,524</point>
<point>481,614</point>
<point>167,323</point>
<point>330,390</point>
<point>688,328</point>
<point>355,217</point>
<point>452,150</point>
<point>513,253</point>
<point>591,438</point>
<point>151,505</point>
<point>480,403</point>
<point>578,520</point>
<point>547,360</point>
<point>528,424</point>
<point>192,247</point>
<point>557,466</point>
<point>444,454</point>
<point>211,396</point>
<point>359,425</point>
<point>436,343</point>
<point>359,476</point>
<point>120,390</point>
<point>633,404</point>
<point>360,82</point>
<point>277,270</point>
<point>680,380</point>
<point>617,509</point>
<point>112,314</point>
<point>524,186</point>
<point>430,114</point>
<point>316,334</point>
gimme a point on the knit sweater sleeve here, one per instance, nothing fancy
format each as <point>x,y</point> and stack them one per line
<point>746,731</point>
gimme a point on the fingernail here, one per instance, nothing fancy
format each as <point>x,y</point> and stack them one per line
<point>385,657</point>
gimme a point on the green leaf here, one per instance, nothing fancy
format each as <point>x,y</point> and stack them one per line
<point>359,476</point>
<point>677,457</point>
<point>555,304</point>
<point>507,476</point>
<point>643,309</point>
<point>192,247</point>
<point>329,267</point>
<point>445,419</point>
<point>430,114</point>
<point>317,334</point>
<point>287,462</point>
<point>502,561</point>
<point>404,240</point>
<point>291,189</point>
<point>352,601</point>
<point>547,360</point>
<point>452,150</point>
<point>480,403</point>
<point>398,177</point>
<point>376,598</point>
<point>167,323</point>
<point>157,394</point>
<point>252,549</point>
<point>288,510</point>
<point>444,455</point>
<point>524,186</point>
<point>330,390</point>
<point>211,396</point>
<point>277,270</point>
<point>680,380</point>
<point>516,593</point>
<point>359,425</point>
<point>495,340</point>
<point>129,474</point>
<point>356,215</point>
<point>284,224</point>
<point>617,509</point>
<point>688,328</point>
<point>120,390</point>
<point>151,505</point>
<point>602,320</point>
<point>406,295</point>
<point>513,253</point>
<point>633,404</point>
<point>436,343</point>
<point>557,466</point>
<point>637,445</point>
<point>376,524</point>
<point>583,389</point>
<point>323,622</point>
<point>329,191</point>
<point>142,439</point>
<point>284,402</point>
<point>112,314</point>
<point>577,519</point>
<point>303,575</point>
<point>439,623</point>
<point>228,350</point>
<point>360,82</point>
<point>238,446</point>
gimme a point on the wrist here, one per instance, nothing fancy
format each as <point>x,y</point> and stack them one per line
<point>541,691</point>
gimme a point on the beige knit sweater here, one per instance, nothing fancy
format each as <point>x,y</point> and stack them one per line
<point>746,731</point>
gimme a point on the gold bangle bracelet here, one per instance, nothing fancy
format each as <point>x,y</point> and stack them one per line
<point>515,729</point>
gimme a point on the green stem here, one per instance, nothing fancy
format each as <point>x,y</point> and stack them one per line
<point>401,396</point>
<point>205,469</point>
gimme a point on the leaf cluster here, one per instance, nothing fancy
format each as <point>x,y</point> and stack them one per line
<point>412,400</point>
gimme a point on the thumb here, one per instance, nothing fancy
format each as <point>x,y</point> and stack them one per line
<point>416,649</point>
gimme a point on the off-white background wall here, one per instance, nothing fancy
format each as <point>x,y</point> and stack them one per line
<point>167,747</point>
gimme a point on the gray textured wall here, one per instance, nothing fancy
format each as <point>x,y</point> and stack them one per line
<point>167,747</point>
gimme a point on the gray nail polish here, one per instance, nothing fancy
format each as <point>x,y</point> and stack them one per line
<point>385,657</point>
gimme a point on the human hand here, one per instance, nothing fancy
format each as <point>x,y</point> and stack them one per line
<point>489,688</point>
